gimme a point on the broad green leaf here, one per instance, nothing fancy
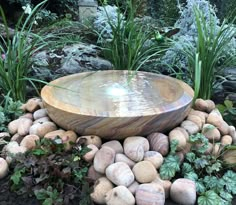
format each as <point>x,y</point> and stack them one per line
<point>191,175</point>
<point>209,198</point>
<point>186,168</point>
<point>226,195</point>
<point>230,181</point>
<point>190,157</point>
<point>173,146</point>
<point>167,172</point>
<point>169,167</point>
<point>200,187</point>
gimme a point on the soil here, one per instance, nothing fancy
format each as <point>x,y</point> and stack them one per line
<point>10,198</point>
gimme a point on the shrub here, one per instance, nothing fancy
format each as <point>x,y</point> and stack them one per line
<point>53,175</point>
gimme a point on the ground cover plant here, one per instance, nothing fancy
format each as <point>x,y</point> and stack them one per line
<point>51,174</point>
<point>54,175</point>
<point>9,110</point>
<point>215,181</point>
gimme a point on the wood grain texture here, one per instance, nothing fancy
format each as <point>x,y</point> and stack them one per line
<point>112,105</point>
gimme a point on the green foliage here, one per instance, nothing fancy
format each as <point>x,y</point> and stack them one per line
<point>48,196</point>
<point>228,111</point>
<point>171,163</point>
<point>131,46</point>
<point>46,146</point>
<point>169,167</point>
<point>9,110</point>
<point>16,178</point>
<point>54,175</point>
<point>214,184</point>
<point>197,76</point>
<point>17,51</point>
<point>201,140</point>
<point>209,198</point>
<point>211,44</point>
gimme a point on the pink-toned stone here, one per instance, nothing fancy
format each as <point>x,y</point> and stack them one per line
<point>150,194</point>
<point>120,174</point>
<point>103,158</point>
<point>114,144</point>
<point>183,191</point>
<point>159,143</point>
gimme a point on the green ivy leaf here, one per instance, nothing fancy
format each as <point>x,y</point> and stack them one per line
<point>16,177</point>
<point>80,173</point>
<point>208,198</point>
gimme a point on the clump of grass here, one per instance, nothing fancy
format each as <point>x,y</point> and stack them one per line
<point>16,52</point>
<point>131,46</point>
<point>211,44</point>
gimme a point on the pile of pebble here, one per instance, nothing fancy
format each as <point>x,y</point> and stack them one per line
<point>125,172</point>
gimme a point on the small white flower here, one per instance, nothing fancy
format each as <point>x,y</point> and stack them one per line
<point>27,9</point>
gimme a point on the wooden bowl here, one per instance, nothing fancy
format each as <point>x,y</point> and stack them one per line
<point>116,104</point>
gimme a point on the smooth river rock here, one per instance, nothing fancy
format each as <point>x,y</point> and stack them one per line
<point>159,143</point>
<point>120,174</point>
<point>150,194</point>
<point>101,187</point>
<point>154,157</point>
<point>135,147</point>
<point>114,144</point>
<point>183,191</point>
<point>119,195</point>
<point>144,172</point>
<point>123,158</point>
<point>103,158</point>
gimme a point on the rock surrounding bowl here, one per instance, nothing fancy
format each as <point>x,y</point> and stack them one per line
<point>116,104</point>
